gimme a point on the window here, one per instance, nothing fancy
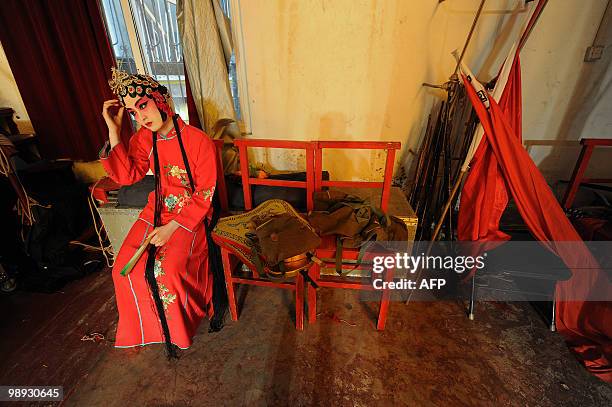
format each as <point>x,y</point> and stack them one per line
<point>145,38</point>
<point>118,35</point>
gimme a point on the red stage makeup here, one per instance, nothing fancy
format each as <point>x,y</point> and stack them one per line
<point>144,111</point>
<point>136,92</point>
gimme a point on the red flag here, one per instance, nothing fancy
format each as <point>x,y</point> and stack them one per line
<point>487,201</point>
<point>501,167</point>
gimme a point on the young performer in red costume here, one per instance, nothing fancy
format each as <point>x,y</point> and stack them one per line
<point>170,289</point>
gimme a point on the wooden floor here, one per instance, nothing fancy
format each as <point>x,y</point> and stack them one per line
<point>430,354</point>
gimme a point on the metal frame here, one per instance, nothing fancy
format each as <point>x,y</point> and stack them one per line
<point>472,305</point>
<point>130,24</point>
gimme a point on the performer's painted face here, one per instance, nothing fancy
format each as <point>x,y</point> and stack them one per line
<point>145,111</point>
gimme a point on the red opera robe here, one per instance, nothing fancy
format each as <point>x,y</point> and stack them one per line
<point>181,265</point>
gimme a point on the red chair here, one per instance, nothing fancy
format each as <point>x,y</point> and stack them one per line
<point>588,145</point>
<point>247,181</point>
<point>327,251</point>
<point>232,257</point>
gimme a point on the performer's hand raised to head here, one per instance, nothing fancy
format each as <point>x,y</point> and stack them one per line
<point>112,111</point>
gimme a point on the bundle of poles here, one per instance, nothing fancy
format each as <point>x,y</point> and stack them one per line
<point>449,143</point>
<point>447,138</point>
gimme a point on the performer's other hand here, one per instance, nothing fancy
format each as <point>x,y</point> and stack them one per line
<point>162,234</point>
<point>112,111</point>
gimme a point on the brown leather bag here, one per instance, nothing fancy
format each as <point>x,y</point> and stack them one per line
<point>283,236</point>
<point>285,241</point>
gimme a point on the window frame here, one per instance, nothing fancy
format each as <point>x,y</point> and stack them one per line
<point>130,25</point>
<point>245,123</point>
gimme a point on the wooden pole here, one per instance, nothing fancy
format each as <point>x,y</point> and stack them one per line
<point>447,206</point>
<point>467,41</point>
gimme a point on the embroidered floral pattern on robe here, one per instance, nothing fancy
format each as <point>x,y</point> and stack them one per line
<point>206,193</point>
<point>177,172</point>
<point>158,270</point>
<point>181,268</point>
<point>165,295</point>
<point>177,202</point>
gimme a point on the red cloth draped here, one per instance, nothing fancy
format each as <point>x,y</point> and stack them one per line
<point>60,56</point>
<point>488,200</point>
<point>502,167</point>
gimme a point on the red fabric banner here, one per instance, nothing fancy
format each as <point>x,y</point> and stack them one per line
<point>501,167</point>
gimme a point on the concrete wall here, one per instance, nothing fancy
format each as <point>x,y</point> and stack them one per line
<point>10,96</point>
<point>352,69</point>
<point>566,99</point>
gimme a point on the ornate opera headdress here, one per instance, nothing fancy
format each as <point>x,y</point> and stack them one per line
<point>123,84</point>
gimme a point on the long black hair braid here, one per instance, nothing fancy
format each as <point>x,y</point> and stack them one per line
<point>152,250</point>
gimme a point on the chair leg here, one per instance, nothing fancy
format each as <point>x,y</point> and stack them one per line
<point>229,284</point>
<point>384,303</point>
<point>314,273</point>
<point>472,298</point>
<point>299,302</point>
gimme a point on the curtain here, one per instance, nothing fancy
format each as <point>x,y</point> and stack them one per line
<point>207,48</point>
<point>61,58</point>
<point>192,110</point>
